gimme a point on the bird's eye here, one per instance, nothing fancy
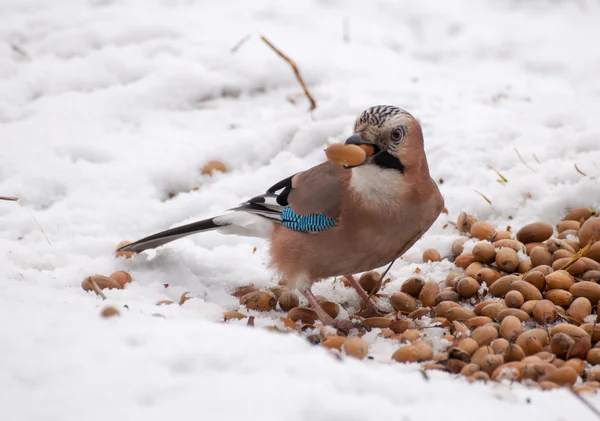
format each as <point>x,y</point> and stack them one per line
<point>397,134</point>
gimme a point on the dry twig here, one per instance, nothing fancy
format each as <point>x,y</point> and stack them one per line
<point>12,199</point>
<point>483,195</point>
<point>579,254</point>
<point>502,178</point>
<point>579,171</point>
<point>523,161</point>
<point>239,44</point>
<point>96,288</point>
<point>313,104</point>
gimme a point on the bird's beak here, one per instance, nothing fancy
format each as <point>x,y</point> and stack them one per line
<point>369,148</point>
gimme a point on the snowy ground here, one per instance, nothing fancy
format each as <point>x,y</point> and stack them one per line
<point>107,107</point>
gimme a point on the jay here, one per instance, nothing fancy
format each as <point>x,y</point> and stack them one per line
<point>335,220</point>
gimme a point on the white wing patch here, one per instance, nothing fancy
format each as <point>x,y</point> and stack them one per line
<point>245,224</point>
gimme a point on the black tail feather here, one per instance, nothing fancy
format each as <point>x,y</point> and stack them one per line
<point>169,235</point>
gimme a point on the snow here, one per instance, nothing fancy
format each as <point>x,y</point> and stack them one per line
<point>108,107</point>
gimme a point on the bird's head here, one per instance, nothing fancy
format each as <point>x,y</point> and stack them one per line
<point>394,133</point>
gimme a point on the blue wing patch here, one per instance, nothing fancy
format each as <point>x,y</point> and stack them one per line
<point>314,222</point>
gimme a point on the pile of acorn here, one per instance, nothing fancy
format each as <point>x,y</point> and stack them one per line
<point>518,307</point>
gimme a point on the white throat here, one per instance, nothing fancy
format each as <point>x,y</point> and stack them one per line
<point>377,186</point>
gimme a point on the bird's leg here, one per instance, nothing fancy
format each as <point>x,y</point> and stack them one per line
<point>370,306</point>
<point>323,316</point>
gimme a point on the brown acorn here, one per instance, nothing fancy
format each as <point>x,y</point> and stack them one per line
<point>370,281</point>
<point>431,255</point>
<point>535,232</point>
<point>467,287</point>
<point>212,166</point>
<point>122,277</point>
<point>514,299</point>
<point>103,282</point>
<point>356,347</point>
<point>428,293</point>
<point>288,300</point>
<point>413,286</point>
<point>483,231</point>
<point>507,259</point>
<point>109,312</point>
<point>259,300</point>
<point>540,256</point>
<point>484,252</point>
<point>403,302</point>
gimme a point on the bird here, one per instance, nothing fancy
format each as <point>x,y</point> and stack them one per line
<point>338,220</point>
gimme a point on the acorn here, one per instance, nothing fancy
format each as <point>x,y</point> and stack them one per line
<point>480,354</point>
<point>554,244</point>
<point>501,286</point>
<point>447,295</point>
<point>465,221</point>
<point>500,345</point>
<point>305,315</point>
<point>484,335</point>
<point>515,312</point>
<point>479,306</point>
<point>403,302</point>
<point>590,229</point>
<point>334,342</point>
<point>276,290</point>
<point>346,155</point>
<point>475,322</point>
<point>109,312</point>
<point>511,244</point>
<point>419,313</point>
<point>593,356</point>
<point>469,345</point>
<point>540,256</point>
<point>428,293</point>
<point>377,322</point>
<point>103,282</point>
<point>589,290</point>
<point>512,371</point>
<point>122,277</point>
<point>412,286</point>
<point>577,364</point>
<point>212,166</point>
<point>411,335</point>
<point>487,276</point>
<point>467,287</point>
<point>483,231</point>
<point>492,310</point>
<point>507,259</point>
<point>577,214</point>
<point>511,328</point>
<point>356,347</point>
<point>473,268</point>
<point>469,369</point>
<point>535,232</point>
<point>165,303</point>
<point>579,309</point>
<point>458,313</point>
<point>229,315</point>
<point>458,246</point>
<point>561,254</point>
<point>502,235</point>
<point>484,252</point>
<point>413,353</point>
<point>537,279</point>
<point>400,326</point>
<point>243,290</point>
<point>331,308</point>
<point>544,312</point>
<point>539,334</point>
<point>514,299</point>
<point>564,376</point>
<point>288,300</point>
<point>560,297</point>
<point>370,281</point>
<point>567,226</point>
<point>528,291</point>
<point>479,376</point>
<point>513,353</point>
<point>464,260</point>
<point>528,306</point>
<point>575,269</point>
<point>259,300</point>
<point>441,309</point>
<point>125,254</point>
<point>594,252</point>
<point>431,255</point>
<point>491,362</point>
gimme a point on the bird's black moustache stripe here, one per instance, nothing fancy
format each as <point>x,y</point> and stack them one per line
<point>385,160</point>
